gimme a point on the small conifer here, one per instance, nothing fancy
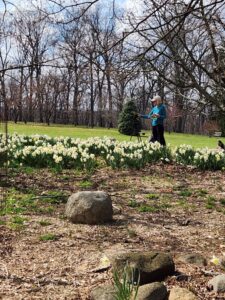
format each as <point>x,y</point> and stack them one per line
<point>129,120</point>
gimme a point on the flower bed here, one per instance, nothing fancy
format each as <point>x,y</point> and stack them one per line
<point>64,152</point>
<point>202,158</point>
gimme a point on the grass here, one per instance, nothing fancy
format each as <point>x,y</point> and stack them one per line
<point>85,184</point>
<point>18,220</point>
<point>183,203</point>
<point>174,139</point>
<point>148,208</point>
<point>185,193</point>
<point>210,202</point>
<point>152,196</point>
<point>202,192</point>
<point>133,203</point>
<point>53,197</point>
<point>222,201</point>
<point>17,223</point>
<point>16,226</point>
<point>48,237</point>
<point>44,223</point>
<point>18,202</point>
<point>2,222</point>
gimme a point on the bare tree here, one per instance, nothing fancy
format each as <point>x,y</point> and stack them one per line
<point>187,35</point>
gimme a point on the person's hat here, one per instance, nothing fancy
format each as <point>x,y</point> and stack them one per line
<point>156,98</point>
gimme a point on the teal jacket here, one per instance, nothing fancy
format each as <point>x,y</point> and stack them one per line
<point>160,110</point>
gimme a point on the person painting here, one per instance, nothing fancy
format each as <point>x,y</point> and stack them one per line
<point>157,115</point>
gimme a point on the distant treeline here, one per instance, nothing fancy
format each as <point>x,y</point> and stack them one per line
<point>82,70</point>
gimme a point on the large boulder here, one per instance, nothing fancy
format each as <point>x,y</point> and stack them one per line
<point>90,207</point>
<point>178,293</point>
<point>145,267</point>
<point>152,291</point>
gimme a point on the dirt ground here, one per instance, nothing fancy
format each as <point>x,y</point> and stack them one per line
<point>164,208</point>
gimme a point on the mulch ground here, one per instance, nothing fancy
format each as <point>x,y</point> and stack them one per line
<point>163,207</point>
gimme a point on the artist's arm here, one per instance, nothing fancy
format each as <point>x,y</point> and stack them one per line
<point>148,116</point>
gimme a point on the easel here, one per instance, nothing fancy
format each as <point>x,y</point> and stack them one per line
<point>139,136</point>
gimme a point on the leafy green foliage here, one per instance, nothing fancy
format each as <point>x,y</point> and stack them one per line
<point>211,202</point>
<point>18,220</point>
<point>148,208</point>
<point>152,196</point>
<point>48,237</point>
<point>185,193</point>
<point>125,285</point>
<point>86,184</point>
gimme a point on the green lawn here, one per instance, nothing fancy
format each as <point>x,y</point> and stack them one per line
<point>174,139</point>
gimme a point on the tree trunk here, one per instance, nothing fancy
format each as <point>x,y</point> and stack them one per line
<point>20,101</point>
<point>92,91</point>
<point>30,98</point>
<point>110,98</point>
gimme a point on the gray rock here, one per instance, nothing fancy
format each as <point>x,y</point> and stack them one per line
<point>218,283</point>
<point>152,291</point>
<point>193,258</point>
<point>178,293</point>
<point>116,210</point>
<point>89,207</point>
<point>147,266</point>
<point>103,293</point>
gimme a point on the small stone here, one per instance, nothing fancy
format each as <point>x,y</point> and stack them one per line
<point>152,291</point>
<point>218,283</point>
<point>106,292</point>
<point>116,210</point>
<point>193,258</point>
<point>178,293</point>
<point>182,277</point>
<point>185,222</point>
<point>104,264</point>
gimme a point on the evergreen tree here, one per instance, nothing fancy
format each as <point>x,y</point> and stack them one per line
<point>129,120</point>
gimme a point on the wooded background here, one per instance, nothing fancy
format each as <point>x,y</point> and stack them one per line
<point>78,62</point>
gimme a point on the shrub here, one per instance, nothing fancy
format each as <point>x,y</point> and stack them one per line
<point>129,120</point>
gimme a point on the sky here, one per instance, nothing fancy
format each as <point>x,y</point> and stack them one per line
<point>133,6</point>
<point>125,4</point>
